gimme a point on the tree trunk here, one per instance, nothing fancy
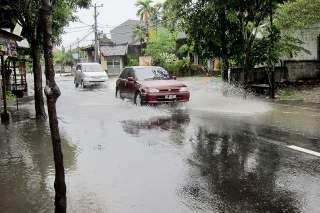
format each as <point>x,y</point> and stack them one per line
<point>52,92</point>
<point>37,75</point>
<point>224,49</point>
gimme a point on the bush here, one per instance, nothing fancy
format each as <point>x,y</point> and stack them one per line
<point>161,45</point>
<point>10,96</point>
<point>165,59</point>
<point>179,67</point>
<point>133,62</point>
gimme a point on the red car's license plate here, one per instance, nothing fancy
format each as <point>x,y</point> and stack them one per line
<point>170,96</point>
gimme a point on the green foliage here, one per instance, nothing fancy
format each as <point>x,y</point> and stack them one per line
<point>140,33</point>
<point>133,62</point>
<point>217,77</point>
<point>285,92</point>
<point>160,42</point>
<point>180,67</point>
<point>227,29</point>
<point>10,96</point>
<point>149,12</point>
<point>293,17</point>
<point>26,12</point>
<point>297,14</point>
<point>186,49</point>
<point>170,18</point>
<point>63,58</point>
<point>145,10</point>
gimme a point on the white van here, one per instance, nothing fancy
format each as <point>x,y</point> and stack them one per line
<point>88,74</point>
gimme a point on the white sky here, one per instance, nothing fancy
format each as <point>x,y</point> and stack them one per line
<point>113,13</point>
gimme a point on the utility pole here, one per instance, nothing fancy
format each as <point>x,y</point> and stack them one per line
<point>96,39</point>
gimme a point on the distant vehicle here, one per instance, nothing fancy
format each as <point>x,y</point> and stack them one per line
<point>150,85</point>
<point>89,74</point>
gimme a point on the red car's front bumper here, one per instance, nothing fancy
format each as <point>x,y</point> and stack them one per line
<point>159,98</point>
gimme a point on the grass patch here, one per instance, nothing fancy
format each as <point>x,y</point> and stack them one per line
<point>217,77</point>
<point>285,92</point>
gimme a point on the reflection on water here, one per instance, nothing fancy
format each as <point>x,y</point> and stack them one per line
<point>238,175</point>
<point>27,168</point>
<point>174,122</point>
<point>203,157</point>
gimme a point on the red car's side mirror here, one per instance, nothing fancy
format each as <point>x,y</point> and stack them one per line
<point>174,77</point>
<point>130,79</point>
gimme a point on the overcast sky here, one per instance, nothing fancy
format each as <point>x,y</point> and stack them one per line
<point>113,13</point>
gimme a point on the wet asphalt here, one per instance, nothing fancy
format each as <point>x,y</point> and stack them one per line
<point>218,153</point>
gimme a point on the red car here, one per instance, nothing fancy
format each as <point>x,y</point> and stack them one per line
<point>150,85</point>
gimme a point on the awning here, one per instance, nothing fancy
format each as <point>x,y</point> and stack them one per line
<point>114,50</point>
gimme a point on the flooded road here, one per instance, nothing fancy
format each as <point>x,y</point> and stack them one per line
<point>214,154</point>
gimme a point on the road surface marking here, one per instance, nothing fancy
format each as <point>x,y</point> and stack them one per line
<point>304,150</point>
<point>293,147</point>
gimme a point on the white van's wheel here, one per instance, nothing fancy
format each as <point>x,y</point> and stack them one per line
<point>76,84</point>
<point>83,85</point>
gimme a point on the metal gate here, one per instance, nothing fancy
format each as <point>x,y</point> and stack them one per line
<point>114,65</point>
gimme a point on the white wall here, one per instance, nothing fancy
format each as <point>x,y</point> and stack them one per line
<point>310,38</point>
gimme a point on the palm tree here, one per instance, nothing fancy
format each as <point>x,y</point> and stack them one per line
<point>140,34</point>
<point>145,10</point>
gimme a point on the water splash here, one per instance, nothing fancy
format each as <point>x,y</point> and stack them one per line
<point>210,95</point>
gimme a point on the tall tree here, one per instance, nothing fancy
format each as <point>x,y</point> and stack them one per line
<point>212,27</point>
<point>52,93</point>
<point>227,29</point>
<point>140,34</point>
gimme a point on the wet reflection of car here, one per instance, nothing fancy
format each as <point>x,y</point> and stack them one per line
<point>87,74</point>
<point>167,123</point>
<point>150,85</point>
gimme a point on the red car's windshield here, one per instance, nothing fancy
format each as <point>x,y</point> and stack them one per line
<point>151,73</point>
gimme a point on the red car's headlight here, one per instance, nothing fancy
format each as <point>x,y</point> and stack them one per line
<point>153,90</point>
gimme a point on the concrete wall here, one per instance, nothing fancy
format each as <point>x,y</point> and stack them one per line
<point>256,75</point>
<point>291,71</point>
<point>303,70</point>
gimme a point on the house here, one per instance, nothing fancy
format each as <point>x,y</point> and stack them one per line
<point>124,33</point>
<point>124,42</point>
<point>117,51</point>
<point>113,57</point>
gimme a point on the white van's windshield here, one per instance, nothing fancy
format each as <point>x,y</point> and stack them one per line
<point>92,68</point>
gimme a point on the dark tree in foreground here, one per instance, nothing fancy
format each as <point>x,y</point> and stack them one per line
<point>52,92</point>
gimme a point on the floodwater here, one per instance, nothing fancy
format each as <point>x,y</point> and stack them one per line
<point>218,153</point>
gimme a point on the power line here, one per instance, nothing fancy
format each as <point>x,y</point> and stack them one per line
<point>78,41</point>
<point>83,22</point>
<point>79,27</point>
<point>76,31</point>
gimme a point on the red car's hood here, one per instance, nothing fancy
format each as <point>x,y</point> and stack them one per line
<point>161,84</point>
